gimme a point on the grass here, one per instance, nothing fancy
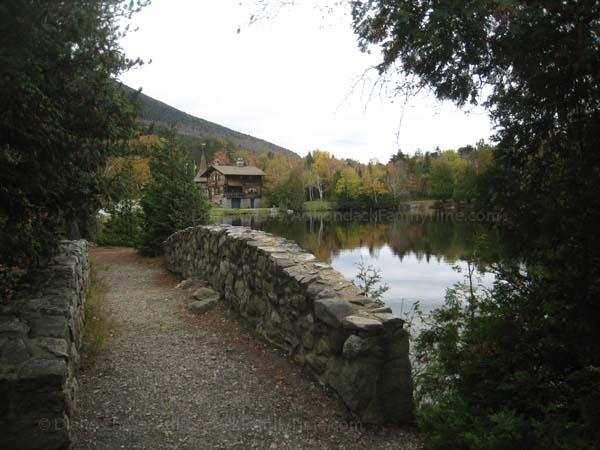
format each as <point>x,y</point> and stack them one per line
<point>318,205</point>
<point>99,325</point>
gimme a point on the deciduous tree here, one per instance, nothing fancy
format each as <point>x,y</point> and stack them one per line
<point>441,180</point>
<point>349,185</point>
<point>222,156</point>
<point>373,178</point>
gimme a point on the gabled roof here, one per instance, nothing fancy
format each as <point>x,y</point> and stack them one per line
<point>234,170</point>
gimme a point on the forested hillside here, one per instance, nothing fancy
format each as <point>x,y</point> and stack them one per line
<point>163,115</point>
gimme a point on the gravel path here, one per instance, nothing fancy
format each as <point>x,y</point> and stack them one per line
<point>171,380</point>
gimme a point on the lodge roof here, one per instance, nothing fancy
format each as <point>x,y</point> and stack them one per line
<point>234,170</point>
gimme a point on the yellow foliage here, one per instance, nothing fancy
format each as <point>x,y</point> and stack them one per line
<point>140,167</point>
<point>278,169</point>
<point>373,181</point>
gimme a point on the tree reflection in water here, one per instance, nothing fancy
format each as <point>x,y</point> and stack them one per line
<point>416,257</point>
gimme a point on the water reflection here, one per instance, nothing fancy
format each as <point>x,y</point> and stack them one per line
<point>416,257</point>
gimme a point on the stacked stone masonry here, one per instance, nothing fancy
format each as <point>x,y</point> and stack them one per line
<point>41,332</point>
<point>352,345</point>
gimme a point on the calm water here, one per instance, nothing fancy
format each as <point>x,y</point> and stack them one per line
<point>417,259</point>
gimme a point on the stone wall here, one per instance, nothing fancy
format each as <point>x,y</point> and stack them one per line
<point>41,330</point>
<point>358,349</point>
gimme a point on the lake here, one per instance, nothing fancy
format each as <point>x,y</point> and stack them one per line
<point>418,257</point>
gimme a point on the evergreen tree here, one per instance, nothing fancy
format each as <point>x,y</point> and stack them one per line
<point>171,201</point>
<point>62,114</point>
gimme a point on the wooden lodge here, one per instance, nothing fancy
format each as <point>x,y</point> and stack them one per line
<point>232,186</point>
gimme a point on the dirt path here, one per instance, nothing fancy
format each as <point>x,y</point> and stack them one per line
<point>170,380</point>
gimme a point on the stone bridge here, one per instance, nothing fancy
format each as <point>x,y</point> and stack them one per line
<point>349,342</point>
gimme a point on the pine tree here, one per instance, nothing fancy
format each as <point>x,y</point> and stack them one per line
<point>171,201</point>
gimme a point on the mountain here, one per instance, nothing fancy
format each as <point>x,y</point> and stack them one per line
<point>162,115</point>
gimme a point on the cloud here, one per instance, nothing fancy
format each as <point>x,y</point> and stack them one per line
<point>288,80</point>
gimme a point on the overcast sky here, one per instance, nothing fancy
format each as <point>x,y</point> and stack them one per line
<point>290,80</point>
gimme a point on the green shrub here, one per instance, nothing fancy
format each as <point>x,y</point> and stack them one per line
<point>368,279</point>
<point>124,227</point>
<point>495,373</point>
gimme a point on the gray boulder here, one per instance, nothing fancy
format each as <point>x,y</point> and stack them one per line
<point>205,293</point>
<point>200,307</point>
<point>356,346</point>
<point>332,311</point>
<point>361,323</point>
<point>191,283</point>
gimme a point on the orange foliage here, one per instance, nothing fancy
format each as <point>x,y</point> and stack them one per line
<point>222,156</point>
